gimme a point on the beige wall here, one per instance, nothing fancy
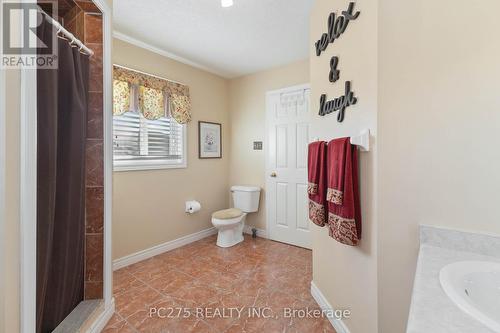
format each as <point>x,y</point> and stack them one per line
<point>247,124</point>
<point>347,276</point>
<point>148,206</point>
<point>439,125</point>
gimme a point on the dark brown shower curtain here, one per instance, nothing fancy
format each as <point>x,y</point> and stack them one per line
<point>62,120</point>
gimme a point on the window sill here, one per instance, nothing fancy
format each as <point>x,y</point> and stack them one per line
<point>123,168</point>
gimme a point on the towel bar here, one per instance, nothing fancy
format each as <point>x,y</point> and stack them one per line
<point>362,140</point>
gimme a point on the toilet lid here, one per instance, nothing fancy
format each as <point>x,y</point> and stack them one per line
<point>227,214</point>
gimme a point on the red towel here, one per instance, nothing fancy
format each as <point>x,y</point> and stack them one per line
<point>336,170</point>
<point>344,209</point>
<point>316,189</point>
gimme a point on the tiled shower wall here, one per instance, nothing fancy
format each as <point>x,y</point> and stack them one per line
<point>94,237</point>
<point>86,24</point>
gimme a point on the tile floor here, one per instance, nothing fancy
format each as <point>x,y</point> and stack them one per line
<point>256,275</point>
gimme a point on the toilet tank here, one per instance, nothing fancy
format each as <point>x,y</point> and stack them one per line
<point>246,198</point>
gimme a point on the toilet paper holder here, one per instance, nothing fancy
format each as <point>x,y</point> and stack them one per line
<point>192,206</point>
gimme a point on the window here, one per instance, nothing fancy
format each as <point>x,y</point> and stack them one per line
<point>142,144</point>
<point>149,122</point>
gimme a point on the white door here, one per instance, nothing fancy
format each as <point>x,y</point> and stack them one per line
<point>286,165</point>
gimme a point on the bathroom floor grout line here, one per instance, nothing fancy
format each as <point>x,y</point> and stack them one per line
<point>175,298</point>
<point>126,321</point>
<point>224,268</point>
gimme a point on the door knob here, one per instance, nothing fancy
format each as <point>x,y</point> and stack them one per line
<point>273,174</point>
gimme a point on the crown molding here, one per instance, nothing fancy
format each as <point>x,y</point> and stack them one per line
<point>164,53</point>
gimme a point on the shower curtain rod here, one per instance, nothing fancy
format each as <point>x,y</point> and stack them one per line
<point>67,34</point>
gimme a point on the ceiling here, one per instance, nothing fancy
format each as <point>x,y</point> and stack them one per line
<point>251,36</point>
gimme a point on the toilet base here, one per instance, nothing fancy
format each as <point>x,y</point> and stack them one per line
<point>230,232</point>
<point>226,238</point>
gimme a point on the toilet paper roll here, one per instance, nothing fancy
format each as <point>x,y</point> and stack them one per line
<point>192,206</point>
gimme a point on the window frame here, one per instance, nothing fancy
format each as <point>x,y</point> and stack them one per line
<point>131,165</point>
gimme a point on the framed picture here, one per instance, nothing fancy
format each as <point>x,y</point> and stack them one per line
<point>209,140</point>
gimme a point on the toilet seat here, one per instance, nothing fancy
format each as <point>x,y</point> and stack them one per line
<point>227,214</point>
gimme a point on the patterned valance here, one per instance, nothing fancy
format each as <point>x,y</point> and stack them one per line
<point>140,79</point>
<point>152,96</point>
<point>182,107</point>
<point>121,97</point>
<point>152,103</point>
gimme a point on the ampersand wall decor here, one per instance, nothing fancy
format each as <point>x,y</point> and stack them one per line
<point>334,72</point>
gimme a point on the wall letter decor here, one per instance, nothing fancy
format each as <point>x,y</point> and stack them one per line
<point>334,72</point>
<point>338,104</point>
<point>336,27</point>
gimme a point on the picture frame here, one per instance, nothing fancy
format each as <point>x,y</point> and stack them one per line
<point>209,140</point>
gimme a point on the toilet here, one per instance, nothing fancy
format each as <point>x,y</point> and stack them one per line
<point>230,222</point>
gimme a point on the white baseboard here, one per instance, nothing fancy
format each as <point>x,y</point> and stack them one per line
<point>103,318</point>
<point>260,232</point>
<point>161,248</point>
<point>318,296</point>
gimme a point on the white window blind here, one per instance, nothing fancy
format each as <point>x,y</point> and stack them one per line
<point>140,143</point>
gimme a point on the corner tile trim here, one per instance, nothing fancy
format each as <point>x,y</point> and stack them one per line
<point>460,240</point>
<point>318,296</point>
<point>103,318</point>
<point>161,248</point>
